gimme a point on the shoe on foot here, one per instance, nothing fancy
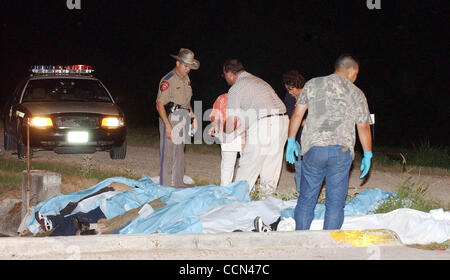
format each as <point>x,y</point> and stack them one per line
<point>46,224</point>
<point>260,226</point>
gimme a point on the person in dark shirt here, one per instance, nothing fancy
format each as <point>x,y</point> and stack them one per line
<point>293,82</point>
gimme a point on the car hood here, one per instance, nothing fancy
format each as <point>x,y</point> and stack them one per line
<point>48,108</point>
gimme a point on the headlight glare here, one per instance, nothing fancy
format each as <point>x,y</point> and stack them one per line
<point>41,122</point>
<point>112,122</point>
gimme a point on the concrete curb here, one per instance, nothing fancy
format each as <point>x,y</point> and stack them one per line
<point>57,247</point>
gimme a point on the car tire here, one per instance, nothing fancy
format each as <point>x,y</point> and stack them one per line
<point>8,143</point>
<point>22,149</point>
<point>119,152</point>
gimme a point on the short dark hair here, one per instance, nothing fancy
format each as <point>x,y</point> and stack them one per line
<point>294,79</point>
<point>346,61</point>
<point>233,65</point>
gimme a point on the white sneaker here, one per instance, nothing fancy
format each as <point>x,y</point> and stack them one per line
<point>260,226</point>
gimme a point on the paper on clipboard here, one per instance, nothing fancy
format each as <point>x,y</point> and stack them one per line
<point>230,142</point>
<point>234,146</point>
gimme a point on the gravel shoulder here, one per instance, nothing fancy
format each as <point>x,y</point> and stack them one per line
<point>205,169</point>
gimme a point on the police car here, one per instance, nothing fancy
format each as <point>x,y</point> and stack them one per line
<point>65,109</point>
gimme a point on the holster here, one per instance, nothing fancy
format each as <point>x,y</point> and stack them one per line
<point>171,107</point>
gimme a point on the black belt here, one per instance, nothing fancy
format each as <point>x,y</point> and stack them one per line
<point>272,115</point>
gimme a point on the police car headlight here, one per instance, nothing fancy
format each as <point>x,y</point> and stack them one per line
<point>41,122</point>
<point>112,122</point>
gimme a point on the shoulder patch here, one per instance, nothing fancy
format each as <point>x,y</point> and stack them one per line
<point>164,85</point>
<point>168,76</point>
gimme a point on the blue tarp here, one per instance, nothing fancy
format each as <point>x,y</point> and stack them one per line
<point>180,215</point>
<point>135,198</point>
<point>182,204</point>
<point>362,204</point>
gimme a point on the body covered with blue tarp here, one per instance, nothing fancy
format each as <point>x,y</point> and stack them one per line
<point>181,203</point>
<point>186,207</point>
<point>212,209</point>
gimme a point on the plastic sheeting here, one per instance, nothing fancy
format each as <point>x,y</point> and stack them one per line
<point>411,226</point>
<point>53,205</point>
<point>240,216</point>
<point>234,216</point>
<point>183,206</point>
<point>145,191</point>
<point>362,204</point>
<point>177,217</point>
<point>212,209</point>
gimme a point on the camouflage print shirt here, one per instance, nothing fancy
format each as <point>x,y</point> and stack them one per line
<point>335,106</point>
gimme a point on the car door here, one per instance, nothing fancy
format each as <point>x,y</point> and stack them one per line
<point>11,116</point>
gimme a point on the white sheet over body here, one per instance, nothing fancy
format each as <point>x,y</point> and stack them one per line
<point>412,226</point>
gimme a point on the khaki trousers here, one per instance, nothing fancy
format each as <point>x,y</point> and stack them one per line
<point>172,151</point>
<point>263,152</point>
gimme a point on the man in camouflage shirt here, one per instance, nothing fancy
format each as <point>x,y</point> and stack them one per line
<point>335,105</point>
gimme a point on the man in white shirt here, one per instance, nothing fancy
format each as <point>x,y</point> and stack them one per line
<point>253,103</point>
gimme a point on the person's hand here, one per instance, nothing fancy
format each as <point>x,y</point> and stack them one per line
<point>169,130</point>
<point>365,163</point>
<point>291,150</point>
<point>212,131</point>
<point>195,125</point>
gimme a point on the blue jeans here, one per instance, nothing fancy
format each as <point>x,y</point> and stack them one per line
<point>298,168</point>
<point>332,163</point>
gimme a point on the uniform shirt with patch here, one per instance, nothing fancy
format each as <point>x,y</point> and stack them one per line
<point>176,89</point>
<point>335,106</point>
<point>251,98</point>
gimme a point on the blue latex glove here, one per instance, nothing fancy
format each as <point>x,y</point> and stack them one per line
<point>291,150</point>
<point>365,163</point>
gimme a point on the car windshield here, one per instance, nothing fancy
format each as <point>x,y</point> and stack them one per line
<point>82,90</point>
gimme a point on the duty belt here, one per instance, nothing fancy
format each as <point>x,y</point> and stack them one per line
<point>172,107</point>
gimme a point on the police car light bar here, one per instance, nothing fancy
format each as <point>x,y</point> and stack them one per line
<point>58,69</point>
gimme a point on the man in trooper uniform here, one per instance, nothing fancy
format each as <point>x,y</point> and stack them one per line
<point>175,115</point>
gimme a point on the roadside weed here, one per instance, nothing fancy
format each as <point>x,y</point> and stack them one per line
<point>411,195</point>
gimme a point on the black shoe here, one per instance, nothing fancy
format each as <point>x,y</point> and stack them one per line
<point>274,225</point>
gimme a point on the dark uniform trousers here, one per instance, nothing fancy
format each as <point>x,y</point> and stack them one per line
<point>172,150</point>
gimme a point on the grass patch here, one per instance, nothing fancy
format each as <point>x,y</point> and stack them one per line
<point>432,246</point>
<point>9,179</point>
<point>422,158</point>
<point>256,195</point>
<point>410,195</point>
<point>203,182</point>
<point>147,137</point>
<point>11,171</point>
<point>424,154</point>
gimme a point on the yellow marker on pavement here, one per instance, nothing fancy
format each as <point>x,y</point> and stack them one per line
<point>364,238</point>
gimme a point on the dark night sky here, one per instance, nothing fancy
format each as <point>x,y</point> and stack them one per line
<point>403,50</point>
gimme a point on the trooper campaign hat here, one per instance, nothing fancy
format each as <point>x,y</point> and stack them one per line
<point>187,57</point>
